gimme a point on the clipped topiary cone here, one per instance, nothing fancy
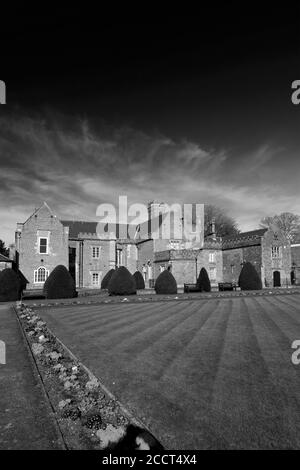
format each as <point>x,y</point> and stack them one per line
<point>139,280</point>
<point>60,284</point>
<point>106,279</point>
<point>203,281</point>
<point>166,283</point>
<point>122,282</point>
<point>9,285</point>
<point>249,278</point>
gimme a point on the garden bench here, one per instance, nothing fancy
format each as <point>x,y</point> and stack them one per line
<point>191,288</point>
<point>227,286</point>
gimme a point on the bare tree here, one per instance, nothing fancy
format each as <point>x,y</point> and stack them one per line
<point>224,224</point>
<point>288,222</point>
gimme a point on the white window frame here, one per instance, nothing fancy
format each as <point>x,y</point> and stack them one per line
<point>97,249</point>
<point>212,257</point>
<point>47,246</point>
<point>95,273</point>
<point>36,275</point>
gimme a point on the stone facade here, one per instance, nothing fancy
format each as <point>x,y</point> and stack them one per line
<point>43,242</point>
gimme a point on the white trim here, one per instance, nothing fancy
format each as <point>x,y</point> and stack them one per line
<point>296,244</point>
<point>96,273</point>
<point>36,274</point>
<point>47,246</point>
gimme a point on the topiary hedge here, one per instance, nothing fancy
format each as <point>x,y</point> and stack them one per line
<point>203,281</point>
<point>249,278</point>
<point>106,279</point>
<point>166,283</point>
<point>60,284</point>
<point>10,288</point>
<point>139,280</point>
<point>122,282</point>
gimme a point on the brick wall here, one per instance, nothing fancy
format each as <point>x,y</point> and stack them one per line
<point>100,265</point>
<point>42,223</point>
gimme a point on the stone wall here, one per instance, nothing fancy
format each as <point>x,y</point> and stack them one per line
<point>282,264</point>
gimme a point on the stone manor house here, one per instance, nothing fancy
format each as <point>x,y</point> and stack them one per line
<point>43,241</point>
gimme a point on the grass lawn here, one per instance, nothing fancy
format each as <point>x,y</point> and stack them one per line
<point>202,374</point>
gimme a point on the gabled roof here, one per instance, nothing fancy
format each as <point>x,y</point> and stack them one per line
<point>37,210</point>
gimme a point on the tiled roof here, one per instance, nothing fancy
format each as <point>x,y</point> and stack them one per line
<point>244,238</point>
<point>78,228</point>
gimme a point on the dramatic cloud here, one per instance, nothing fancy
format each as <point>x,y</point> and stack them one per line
<point>75,165</point>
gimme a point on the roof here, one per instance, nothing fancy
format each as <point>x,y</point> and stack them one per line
<point>252,237</point>
<point>4,259</point>
<point>77,229</point>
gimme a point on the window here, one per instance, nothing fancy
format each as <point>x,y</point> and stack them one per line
<point>96,252</point>
<point>95,279</point>
<point>40,275</point>
<point>212,257</point>
<point>43,245</point>
<point>162,268</point>
<point>212,274</point>
<point>275,252</point>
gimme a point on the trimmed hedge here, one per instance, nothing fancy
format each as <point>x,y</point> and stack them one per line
<point>166,283</point>
<point>106,279</point>
<point>60,284</point>
<point>122,282</point>
<point>139,280</point>
<point>249,278</point>
<point>10,288</point>
<point>203,281</point>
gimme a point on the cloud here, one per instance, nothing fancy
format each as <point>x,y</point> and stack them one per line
<point>75,164</point>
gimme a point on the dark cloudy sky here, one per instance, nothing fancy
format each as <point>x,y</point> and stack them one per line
<point>178,105</point>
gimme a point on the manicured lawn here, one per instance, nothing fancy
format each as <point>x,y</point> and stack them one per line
<point>202,374</point>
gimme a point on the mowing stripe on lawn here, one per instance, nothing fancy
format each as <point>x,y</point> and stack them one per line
<point>198,362</point>
<point>145,337</point>
<point>283,341</point>
<point>106,316</point>
<point>286,314</point>
<point>286,326</point>
<point>167,347</point>
<point>283,395</point>
<point>293,310</point>
<point>124,326</point>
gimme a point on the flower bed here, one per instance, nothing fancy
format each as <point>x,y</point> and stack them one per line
<point>87,415</point>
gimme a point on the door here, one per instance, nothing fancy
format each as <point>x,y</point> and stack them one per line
<point>276,279</point>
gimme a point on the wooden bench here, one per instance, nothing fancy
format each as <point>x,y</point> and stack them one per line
<point>227,286</point>
<point>191,288</point>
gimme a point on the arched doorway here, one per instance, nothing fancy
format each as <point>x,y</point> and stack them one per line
<point>276,279</point>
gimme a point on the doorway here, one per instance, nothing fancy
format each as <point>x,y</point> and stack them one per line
<point>276,279</point>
